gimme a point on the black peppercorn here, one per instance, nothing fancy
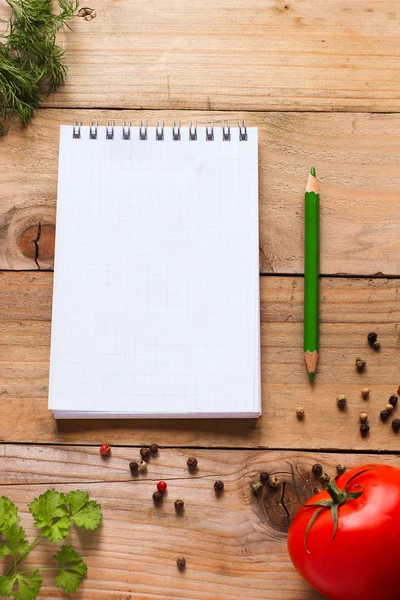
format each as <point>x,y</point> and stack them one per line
<point>372,337</point>
<point>341,402</point>
<point>340,469</point>
<point>273,482</point>
<point>145,453</point>
<point>157,497</point>
<point>181,562</point>
<point>393,400</point>
<point>317,469</point>
<point>219,486</point>
<point>376,345</point>
<point>364,428</point>
<point>134,466</point>
<point>191,462</point>
<point>384,414</point>
<point>264,476</point>
<point>179,504</point>
<point>256,486</point>
<point>396,424</point>
<point>153,448</point>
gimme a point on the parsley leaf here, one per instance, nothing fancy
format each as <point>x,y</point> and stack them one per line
<point>21,586</point>
<point>15,541</point>
<point>72,571</point>
<point>6,586</point>
<point>8,513</point>
<point>84,512</point>
<point>51,515</point>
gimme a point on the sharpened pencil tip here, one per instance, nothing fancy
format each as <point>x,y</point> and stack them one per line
<point>311,376</point>
<point>312,171</point>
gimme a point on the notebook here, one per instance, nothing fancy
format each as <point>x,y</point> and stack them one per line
<point>156,278</point>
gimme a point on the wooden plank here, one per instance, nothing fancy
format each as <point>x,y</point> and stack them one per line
<point>234,544</point>
<point>350,308</point>
<point>356,157</point>
<point>274,55</point>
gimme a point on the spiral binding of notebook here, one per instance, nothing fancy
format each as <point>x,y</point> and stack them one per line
<point>160,130</point>
<point>156,282</point>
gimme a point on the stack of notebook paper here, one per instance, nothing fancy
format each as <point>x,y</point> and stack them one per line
<point>156,284</point>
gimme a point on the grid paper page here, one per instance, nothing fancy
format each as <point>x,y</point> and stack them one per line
<point>156,288</point>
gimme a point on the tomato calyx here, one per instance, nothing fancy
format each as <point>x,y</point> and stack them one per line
<point>338,497</point>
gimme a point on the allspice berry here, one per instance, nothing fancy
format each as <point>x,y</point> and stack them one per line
<point>256,486</point>
<point>340,469</point>
<point>179,505</point>
<point>393,400</point>
<point>181,562</point>
<point>219,486</point>
<point>364,429</point>
<point>396,424</point>
<point>300,412</point>
<point>360,363</point>
<point>341,401</point>
<point>153,448</point>
<point>192,462</point>
<point>317,469</point>
<point>145,453</point>
<point>143,466</point>
<point>384,414</point>
<point>264,476</point>
<point>365,393</point>
<point>158,497</point>
<point>134,466</point>
<point>363,417</point>
<point>273,482</point>
<point>389,408</point>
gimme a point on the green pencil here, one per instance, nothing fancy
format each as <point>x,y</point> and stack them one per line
<point>311,275</point>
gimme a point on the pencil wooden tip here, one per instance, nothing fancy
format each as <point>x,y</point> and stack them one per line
<point>311,363</point>
<point>312,171</point>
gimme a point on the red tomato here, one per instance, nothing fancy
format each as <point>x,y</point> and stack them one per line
<point>361,562</point>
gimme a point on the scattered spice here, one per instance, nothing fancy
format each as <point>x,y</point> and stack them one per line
<point>393,400</point>
<point>389,408</point>
<point>161,486</point>
<point>341,401</point>
<point>264,476</point>
<point>145,453</point>
<point>364,429</point>
<point>300,412</point>
<point>153,448</point>
<point>134,466</point>
<point>181,562</point>
<point>192,462</point>
<point>143,466</point>
<point>396,424</point>
<point>256,486</point>
<point>273,482</point>
<point>360,363</point>
<point>376,345</point>
<point>317,469</point>
<point>325,478</point>
<point>105,450</point>
<point>372,337</point>
<point>340,469</point>
<point>384,414</point>
<point>219,486</point>
<point>157,497</point>
<point>363,417</point>
<point>179,505</point>
<point>365,393</point>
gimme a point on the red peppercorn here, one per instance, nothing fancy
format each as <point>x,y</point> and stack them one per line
<point>105,450</point>
<point>161,486</point>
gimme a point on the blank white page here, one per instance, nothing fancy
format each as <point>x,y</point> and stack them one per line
<point>156,293</point>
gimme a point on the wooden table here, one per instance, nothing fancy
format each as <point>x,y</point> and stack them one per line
<point>319,79</point>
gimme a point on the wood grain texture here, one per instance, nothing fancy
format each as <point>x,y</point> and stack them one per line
<point>350,308</point>
<point>357,159</point>
<point>232,55</point>
<point>234,544</point>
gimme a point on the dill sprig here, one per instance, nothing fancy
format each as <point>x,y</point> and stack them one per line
<point>31,62</point>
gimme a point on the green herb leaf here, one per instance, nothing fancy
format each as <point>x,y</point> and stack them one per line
<point>73,569</point>
<point>15,542</point>
<point>6,586</point>
<point>51,514</point>
<point>28,586</point>
<point>8,513</point>
<point>84,512</point>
